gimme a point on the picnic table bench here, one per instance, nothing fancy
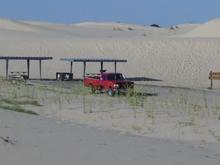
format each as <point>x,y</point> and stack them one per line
<point>18,76</point>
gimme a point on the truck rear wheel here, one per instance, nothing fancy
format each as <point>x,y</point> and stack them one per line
<point>111,92</point>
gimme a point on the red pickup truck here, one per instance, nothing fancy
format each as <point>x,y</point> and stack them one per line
<point>110,82</point>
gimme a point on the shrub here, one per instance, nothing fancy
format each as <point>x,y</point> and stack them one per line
<point>155,25</point>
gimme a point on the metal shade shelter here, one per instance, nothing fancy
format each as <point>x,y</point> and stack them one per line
<point>28,59</point>
<point>86,60</point>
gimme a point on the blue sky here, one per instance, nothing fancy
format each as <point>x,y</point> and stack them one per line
<point>145,12</point>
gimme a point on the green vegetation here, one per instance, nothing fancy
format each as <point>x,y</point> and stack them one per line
<point>16,105</point>
<point>14,97</point>
<point>186,109</point>
<point>17,108</point>
<point>20,102</point>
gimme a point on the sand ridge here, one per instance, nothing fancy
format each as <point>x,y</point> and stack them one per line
<point>207,30</point>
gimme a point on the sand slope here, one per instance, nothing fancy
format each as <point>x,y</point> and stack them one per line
<point>159,53</point>
<point>37,140</point>
<point>207,30</point>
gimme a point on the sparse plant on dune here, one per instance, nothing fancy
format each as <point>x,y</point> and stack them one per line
<point>130,28</point>
<point>117,28</point>
<point>20,102</point>
<point>182,109</point>
<point>16,105</point>
<point>137,128</point>
<point>134,98</point>
<point>17,108</point>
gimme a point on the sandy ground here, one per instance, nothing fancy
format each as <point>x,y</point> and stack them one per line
<point>163,112</point>
<point>165,126</point>
<point>179,56</point>
<point>166,113</point>
<point>39,140</point>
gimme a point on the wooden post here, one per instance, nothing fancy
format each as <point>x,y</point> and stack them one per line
<point>40,65</point>
<point>71,67</point>
<point>6,68</point>
<point>210,76</point>
<point>84,70</point>
<point>28,68</point>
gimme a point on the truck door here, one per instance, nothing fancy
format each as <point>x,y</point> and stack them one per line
<point>102,81</point>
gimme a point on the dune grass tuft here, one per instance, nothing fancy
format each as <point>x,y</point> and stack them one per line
<point>17,108</point>
<point>16,105</point>
<point>20,102</point>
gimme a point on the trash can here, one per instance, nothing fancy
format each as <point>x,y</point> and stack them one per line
<point>64,76</point>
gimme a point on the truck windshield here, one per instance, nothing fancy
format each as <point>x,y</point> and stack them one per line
<point>115,77</point>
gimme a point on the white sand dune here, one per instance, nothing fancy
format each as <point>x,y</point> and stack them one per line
<point>182,56</point>
<point>14,25</point>
<point>159,53</point>
<point>207,30</point>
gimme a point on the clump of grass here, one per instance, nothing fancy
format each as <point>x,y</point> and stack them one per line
<point>20,102</point>
<point>116,28</point>
<point>134,98</point>
<point>81,90</point>
<point>150,111</point>
<point>129,28</point>
<point>17,108</point>
<point>14,104</point>
<point>215,135</point>
<point>190,122</point>
<point>136,128</point>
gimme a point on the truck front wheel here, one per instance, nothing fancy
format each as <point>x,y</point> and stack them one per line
<point>111,92</point>
<point>92,89</point>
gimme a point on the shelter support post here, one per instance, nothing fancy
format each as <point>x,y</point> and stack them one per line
<point>7,68</point>
<point>115,66</point>
<point>84,70</point>
<point>71,67</point>
<point>101,70</point>
<point>40,67</point>
<point>28,68</point>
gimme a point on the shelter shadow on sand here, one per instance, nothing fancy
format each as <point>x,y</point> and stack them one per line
<point>142,79</point>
